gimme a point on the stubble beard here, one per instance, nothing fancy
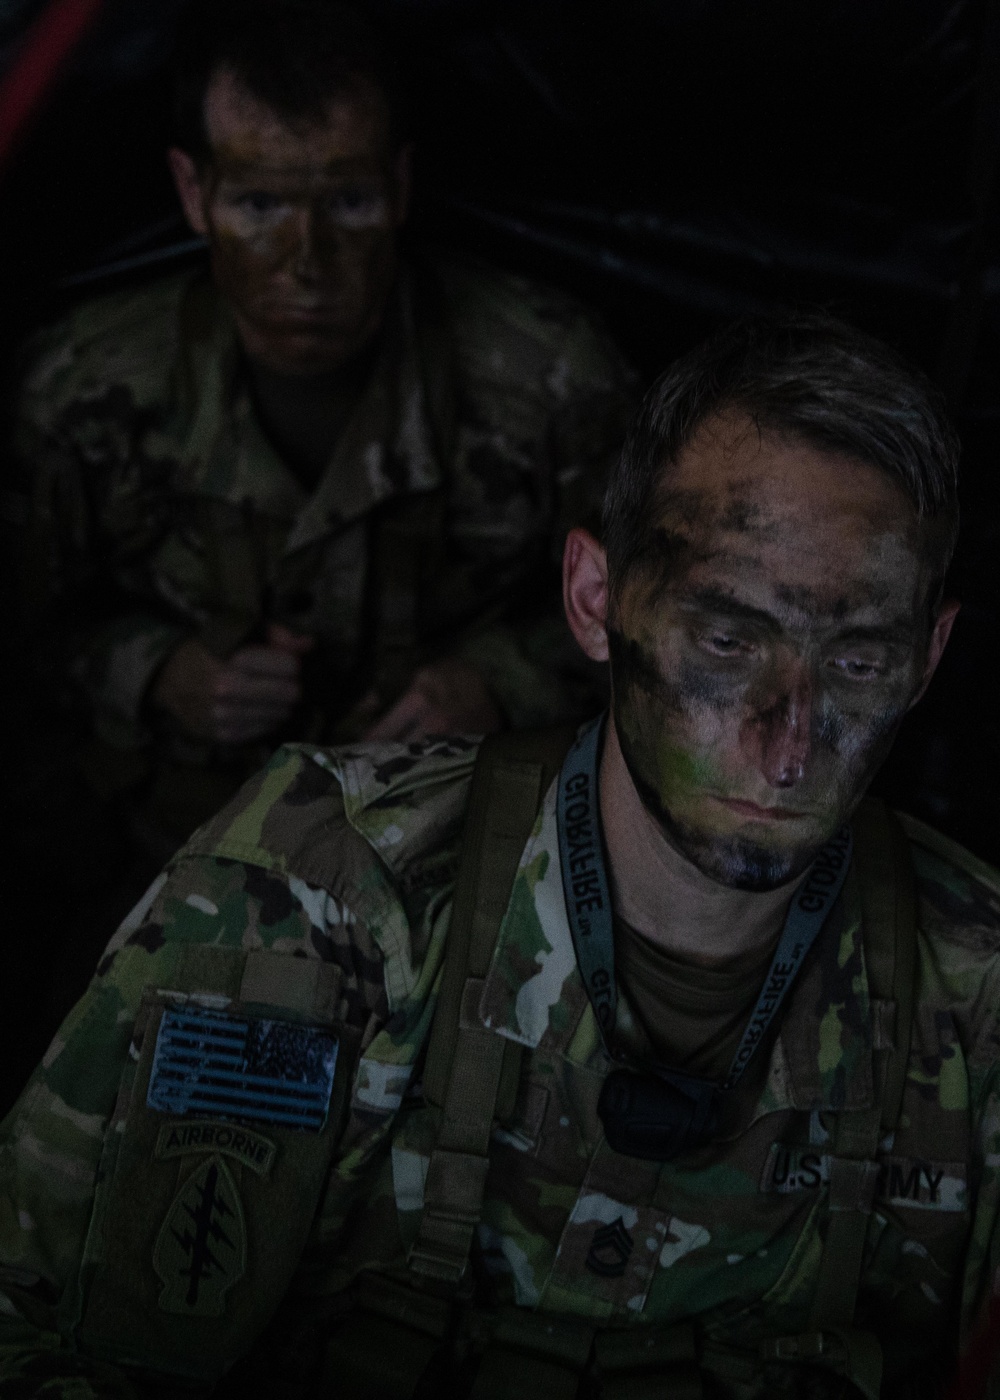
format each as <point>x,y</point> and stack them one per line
<point>734,861</point>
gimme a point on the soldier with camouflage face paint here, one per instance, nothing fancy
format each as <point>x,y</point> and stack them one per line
<point>322,491</point>
<point>689,1087</point>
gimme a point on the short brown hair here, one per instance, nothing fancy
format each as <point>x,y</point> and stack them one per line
<point>293,55</point>
<point>804,374</point>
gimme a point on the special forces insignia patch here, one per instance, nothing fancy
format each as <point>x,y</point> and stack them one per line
<point>201,1250</point>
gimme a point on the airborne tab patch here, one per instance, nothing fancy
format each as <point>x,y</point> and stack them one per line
<point>251,1149</point>
<point>212,1064</point>
<point>201,1250</point>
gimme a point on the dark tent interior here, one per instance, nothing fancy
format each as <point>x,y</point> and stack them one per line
<point>672,162</point>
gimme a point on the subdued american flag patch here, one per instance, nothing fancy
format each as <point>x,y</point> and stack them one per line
<point>260,1071</point>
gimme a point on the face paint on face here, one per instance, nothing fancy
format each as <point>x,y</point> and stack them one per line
<point>302,225</point>
<point>765,649</point>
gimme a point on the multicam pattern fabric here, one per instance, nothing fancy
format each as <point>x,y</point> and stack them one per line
<point>159,510</point>
<point>341,862</point>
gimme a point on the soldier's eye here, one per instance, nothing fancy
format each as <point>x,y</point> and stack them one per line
<point>856,668</point>
<point>259,202</point>
<point>357,206</point>
<point>354,198</point>
<point>724,644</point>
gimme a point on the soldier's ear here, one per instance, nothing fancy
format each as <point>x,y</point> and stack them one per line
<point>189,188</point>
<point>940,632</point>
<point>585,592</point>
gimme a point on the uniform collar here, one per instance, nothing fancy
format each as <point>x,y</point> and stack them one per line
<point>405,801</point>
<point>533,993</point>
<point>387,448</point>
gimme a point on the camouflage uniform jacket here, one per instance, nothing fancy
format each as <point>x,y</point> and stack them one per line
<point>324,892</point>
<point>161,511</point>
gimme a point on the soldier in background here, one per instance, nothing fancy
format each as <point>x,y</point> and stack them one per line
<point>689,1086</point>
<point>320,491</point>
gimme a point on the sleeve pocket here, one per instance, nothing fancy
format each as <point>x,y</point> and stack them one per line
<point>229,1109</point>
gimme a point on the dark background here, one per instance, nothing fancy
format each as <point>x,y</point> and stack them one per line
<point>673,162</point>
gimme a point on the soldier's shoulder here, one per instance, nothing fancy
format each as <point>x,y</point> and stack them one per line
<point>127,337</point>
<point>500,316</point>
<point>958,946</point>
<point>372,829</point>
<point>958,894</point>
<point>356,816</point>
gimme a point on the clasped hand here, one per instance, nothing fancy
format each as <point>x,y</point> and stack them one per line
<point>252,693</point>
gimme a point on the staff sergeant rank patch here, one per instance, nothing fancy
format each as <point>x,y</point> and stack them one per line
<point>219,1066</point>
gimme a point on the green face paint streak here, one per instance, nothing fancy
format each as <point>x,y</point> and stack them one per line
<point>679,770</point>
<point>670,768</point>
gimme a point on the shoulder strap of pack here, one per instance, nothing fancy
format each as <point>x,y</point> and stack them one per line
<point>889,906</point>
<point>471,1073</point>
<point>884,871</point>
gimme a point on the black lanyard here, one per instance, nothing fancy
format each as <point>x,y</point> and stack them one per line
<point>588,907</point>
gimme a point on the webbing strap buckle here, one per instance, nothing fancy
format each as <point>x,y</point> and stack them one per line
<point>846,1351</point>
<point>454,1192</point>
<point>442,1252</point>
<point>804,1346</point>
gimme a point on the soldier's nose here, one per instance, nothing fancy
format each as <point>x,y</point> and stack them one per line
<point>779,734</point>
<point>306,261</point>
